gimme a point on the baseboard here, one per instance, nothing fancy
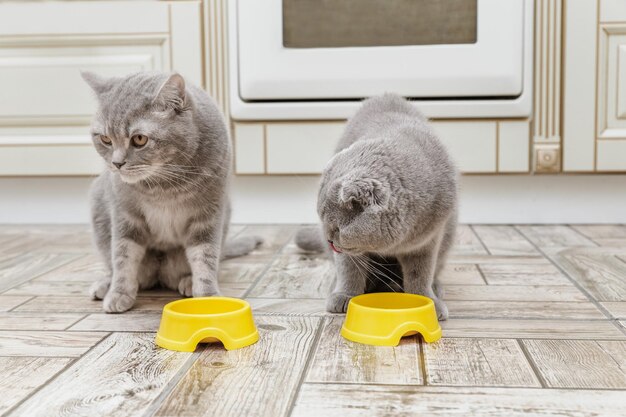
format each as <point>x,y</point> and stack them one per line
<point>292,199</point>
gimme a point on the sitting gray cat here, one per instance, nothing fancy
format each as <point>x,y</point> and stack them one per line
<point>160,211</point>
<point>388,203</point>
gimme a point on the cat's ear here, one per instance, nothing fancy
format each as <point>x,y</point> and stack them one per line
<point>98,83</point>
<point>366,192</point>
<point>172,95</point>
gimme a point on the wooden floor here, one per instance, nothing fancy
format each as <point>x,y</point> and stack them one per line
<point>537,327</point>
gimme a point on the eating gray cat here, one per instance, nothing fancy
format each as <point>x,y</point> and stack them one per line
<point>388,204</point>
<point>160,211</point>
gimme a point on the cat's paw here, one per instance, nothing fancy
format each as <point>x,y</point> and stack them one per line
<point>442,310</point>
<point>99,289</point>
<point>205,288</point>
<point>337,302</point>
<point>185,287</point>
<point>115,302</point>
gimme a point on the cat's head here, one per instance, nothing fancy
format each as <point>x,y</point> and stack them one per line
<point>355,212</point>
<point>143,125</point>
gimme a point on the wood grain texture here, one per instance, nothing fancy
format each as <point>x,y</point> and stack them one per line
<point>524,310</point>
<point>274,237</point>
<point>339,360</point>
<point>335,400</point>
<point>86,268</point>
<point>523,274</point>
<point>296,276</point>
<point>22,268</point>
<point>612,242</point>
<point>140,322</point>
<point>602,231</point>
<point>478,362</point>
<point>498,260</point>
<point>537,329</point>
<point>47,343</point>
<point>616,308</point>
<point>555,238</point>
<point>580,363</point>
<point>256,381</point>
<point>82,304</point>
<point>119,377</point>
<point>599,271</point>
<point>513,293</point>
<point>292,306</point>
<point>38,321</point>
<point>62,288</point>
<point>19,377</point>
<point>245,269</point>
<point>461,274</point>
<point>467,243</point>
<point>8,302</point>
<point>505,240</point>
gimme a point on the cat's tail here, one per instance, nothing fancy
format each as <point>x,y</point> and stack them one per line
<point>310,238</point>
<point>240,246</point>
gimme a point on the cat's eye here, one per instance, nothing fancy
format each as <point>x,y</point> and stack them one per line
<point>139,140</point>
<point>105,139</point>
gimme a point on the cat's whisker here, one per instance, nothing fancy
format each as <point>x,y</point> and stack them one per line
<point>388,270</point>
<point>373,271</point>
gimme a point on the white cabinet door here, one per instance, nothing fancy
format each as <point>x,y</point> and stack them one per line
<point>594,118</point>
<point>45,107</point>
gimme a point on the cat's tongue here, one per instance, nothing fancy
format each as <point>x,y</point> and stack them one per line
<point>333,247</point>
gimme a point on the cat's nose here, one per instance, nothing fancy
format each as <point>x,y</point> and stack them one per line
<point>119,165</point>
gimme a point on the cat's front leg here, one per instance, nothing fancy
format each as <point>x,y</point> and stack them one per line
<point>350,282</point>
<point>203,254</point>
<point>127,256</point>
<point>418,272</point>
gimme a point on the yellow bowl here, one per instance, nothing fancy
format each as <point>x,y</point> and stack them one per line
<point>190,321</point>
<point>382,319</point>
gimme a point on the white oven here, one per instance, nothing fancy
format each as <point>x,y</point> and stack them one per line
<point>316,59</point>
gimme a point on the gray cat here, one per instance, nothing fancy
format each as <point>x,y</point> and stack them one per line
<point>160,211</point>
<point>388,204</point>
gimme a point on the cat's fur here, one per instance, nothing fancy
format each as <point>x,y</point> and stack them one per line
<point>388,202</point>
<point>163,216</point>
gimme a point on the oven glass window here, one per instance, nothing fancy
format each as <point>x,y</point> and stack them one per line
<point>344,23</point>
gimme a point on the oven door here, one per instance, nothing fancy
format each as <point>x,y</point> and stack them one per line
<point>350,49</point>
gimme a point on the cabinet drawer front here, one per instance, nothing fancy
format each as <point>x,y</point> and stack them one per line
<point>50,159</point>
<point>83,17</point>
<point>300,148</point>
<point>487,146</point>
<point>471,144</point>
<point>46,82</point>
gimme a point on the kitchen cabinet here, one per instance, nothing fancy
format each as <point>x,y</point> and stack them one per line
<point>594,112</point>
<point>45,107</point>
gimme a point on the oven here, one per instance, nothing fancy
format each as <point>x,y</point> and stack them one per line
<point>316,59</point>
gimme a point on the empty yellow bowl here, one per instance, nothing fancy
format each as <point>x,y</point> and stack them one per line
<point>190,321</point>
<point>382,319</point>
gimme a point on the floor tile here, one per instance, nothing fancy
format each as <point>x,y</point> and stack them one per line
<point>580,363</point>
<point>478,362</point>
<point>47,343</point>
<point>339,360</point>
<point>121,376</point>
<point>22,376</point>
<point>537,329</point>
<point>260,380</point>
<point>349,400</point>
<point>504,240</point>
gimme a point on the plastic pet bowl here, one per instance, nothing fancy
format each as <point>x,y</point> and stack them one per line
<point>382,319</point>
<point>190,321</point>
